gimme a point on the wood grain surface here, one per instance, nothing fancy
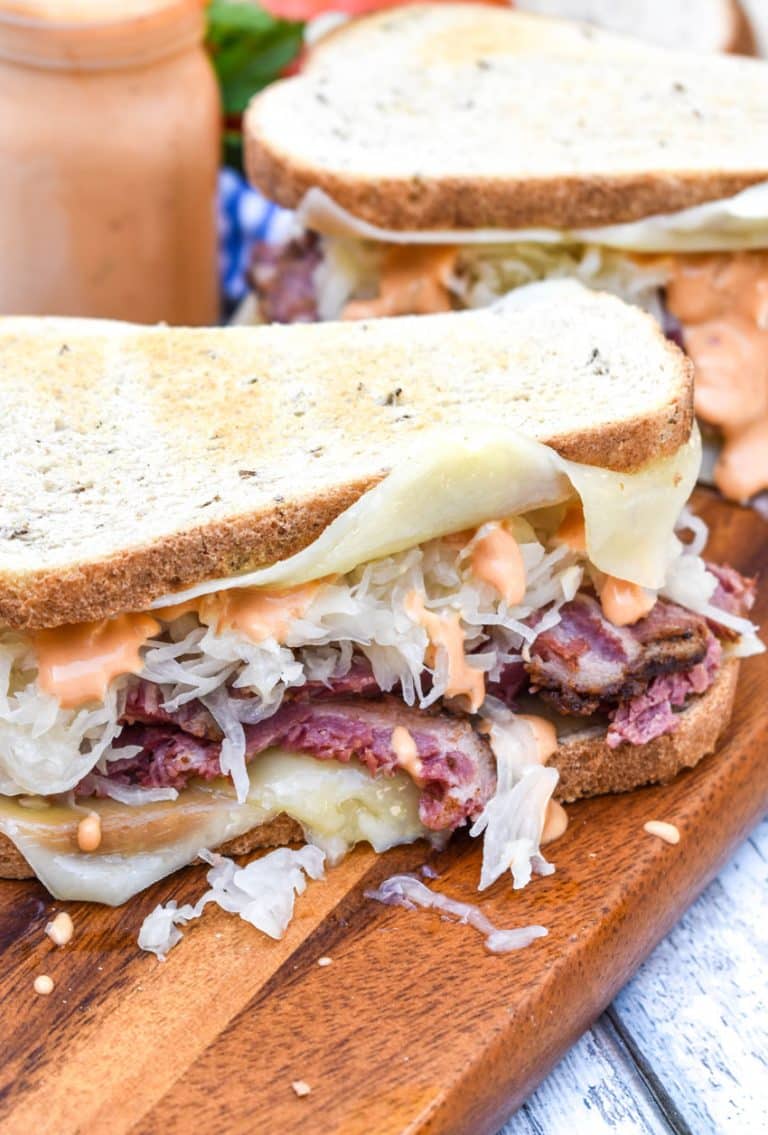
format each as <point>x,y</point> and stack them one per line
<point>414,1027</point>
<point>699,1071</point>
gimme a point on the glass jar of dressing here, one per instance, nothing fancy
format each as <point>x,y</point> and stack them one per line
<point>109,149</point>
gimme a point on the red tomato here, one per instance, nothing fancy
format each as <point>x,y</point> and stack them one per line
<point>308,9</point>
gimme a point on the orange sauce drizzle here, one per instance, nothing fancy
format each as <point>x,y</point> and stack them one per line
<point>625,603</point>
<point>413,281</point>
<point>444,632</point>
<point>404,748</point>
<point>544,734</point>
<point>721,301</point>
<point>257,612</point>
<point>571,531</point>
<point>76,663</point>
<point>496,559</point>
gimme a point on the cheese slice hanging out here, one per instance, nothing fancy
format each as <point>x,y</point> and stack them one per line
<point>336,805</point>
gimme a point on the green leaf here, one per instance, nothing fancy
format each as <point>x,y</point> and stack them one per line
<point>249,48</point>
<point>232,15</point>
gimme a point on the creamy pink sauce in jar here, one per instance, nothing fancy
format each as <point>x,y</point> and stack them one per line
<point>109,144</point>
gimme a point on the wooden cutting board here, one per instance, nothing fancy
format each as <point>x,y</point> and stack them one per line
<point>413,1027</point>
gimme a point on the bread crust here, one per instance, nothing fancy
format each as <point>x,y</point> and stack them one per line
<point>131,580</point>
<point>358,436</point>
<point>586,765</point>
<point>426,194</point>
<point>563,202</point>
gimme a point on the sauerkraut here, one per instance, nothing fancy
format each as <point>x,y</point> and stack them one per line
<point>512,821</point>
<point>407,891</point>
<point>47,749</point>
<point>43,748</point>
<point>484,273</point>
<point>262,893</point>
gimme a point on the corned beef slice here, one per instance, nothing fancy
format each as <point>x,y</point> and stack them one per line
<point>169,759</point>
<point>457,774</point>
<point>651,714</point>
<point>283,279</point>
<point>733,594</point>
<point>585,664</point>
<point>144,705</point>
<point>636,675</point>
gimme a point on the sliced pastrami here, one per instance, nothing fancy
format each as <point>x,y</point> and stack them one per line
<point>169,758</point>
<point>512,680</point>
<point>585,664</point>
<point>453,766</point>
<point>282,276</point>
<point>650,715</point>
<point>734,593</point>
<point>144,705</point>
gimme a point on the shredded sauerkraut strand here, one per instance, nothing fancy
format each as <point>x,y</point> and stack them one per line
<point>409,892</point>
<point>690,584</point>
<point>484,273</point>
<point>512,821</point>
<point>262,893</point>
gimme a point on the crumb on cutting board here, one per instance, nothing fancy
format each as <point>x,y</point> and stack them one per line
<point>60,929</point>
<point>668,832</point>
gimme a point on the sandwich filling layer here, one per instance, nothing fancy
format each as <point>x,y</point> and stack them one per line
<point>379,703</point>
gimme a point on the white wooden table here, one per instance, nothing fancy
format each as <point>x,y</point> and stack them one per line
<point>684,1047</point>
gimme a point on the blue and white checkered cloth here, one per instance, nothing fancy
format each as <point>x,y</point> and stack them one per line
<point>245,217</point>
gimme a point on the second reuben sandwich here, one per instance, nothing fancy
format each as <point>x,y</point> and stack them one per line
<point>347,582</point>
<point>440,156</point>
<point>703,26</point>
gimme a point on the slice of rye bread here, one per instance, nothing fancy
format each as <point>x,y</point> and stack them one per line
<point>700,25</point>
<point>275,833</point>
<point>140,460</point>
<point>587,767</point>
<point>458,116</point>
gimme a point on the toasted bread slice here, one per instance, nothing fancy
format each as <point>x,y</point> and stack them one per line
<point>140,460</point>
<point>586,765</point>
<point>700,25</point>
<point>469,116</point>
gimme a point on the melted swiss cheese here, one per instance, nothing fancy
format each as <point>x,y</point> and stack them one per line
<point>734,222</point>
<point>470,477</point>
<point>337,805</point>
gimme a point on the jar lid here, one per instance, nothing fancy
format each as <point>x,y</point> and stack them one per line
<point>93,35</point>
<point>90,11</point>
